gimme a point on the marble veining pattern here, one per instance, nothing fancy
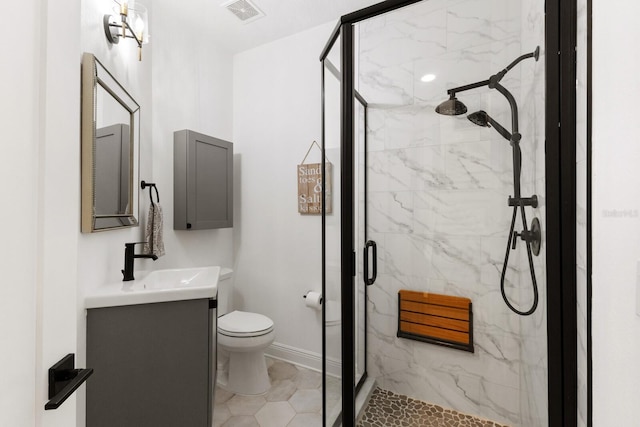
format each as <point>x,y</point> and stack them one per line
<point>438,188</point>
<point>533,396</point>
<point>581,208</point>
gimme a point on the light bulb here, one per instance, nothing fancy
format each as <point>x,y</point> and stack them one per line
<point>139,25</point>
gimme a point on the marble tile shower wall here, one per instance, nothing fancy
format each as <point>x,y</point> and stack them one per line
<point>438,188</point>
<point>581,211</point>
<point>533,329</point>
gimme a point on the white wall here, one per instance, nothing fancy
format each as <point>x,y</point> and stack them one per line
<point>192,89</point>
<point>276,116</point>
<point>616,247</point>
<point>40,188</point>
<point>19,119</point>
<point>58,194</point>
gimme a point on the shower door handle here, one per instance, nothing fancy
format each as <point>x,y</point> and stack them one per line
<point>370,280</point>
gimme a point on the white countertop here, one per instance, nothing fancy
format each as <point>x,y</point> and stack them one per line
<point>158,286</point>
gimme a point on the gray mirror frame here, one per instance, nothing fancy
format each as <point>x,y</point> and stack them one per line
<point>94,74</point>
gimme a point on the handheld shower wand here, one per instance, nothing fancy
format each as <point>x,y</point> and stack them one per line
<point>532,237</point>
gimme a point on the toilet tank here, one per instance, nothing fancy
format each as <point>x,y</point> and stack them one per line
<point>225,284</point>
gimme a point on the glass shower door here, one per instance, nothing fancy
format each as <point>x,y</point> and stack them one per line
<point>342,277</point>
<point>366,261</point>
<point>331,280</point>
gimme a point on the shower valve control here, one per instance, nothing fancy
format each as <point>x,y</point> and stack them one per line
<point>523,201</point>
<point>533,237</point>
<point>514,240</point>
<point>527,236</point>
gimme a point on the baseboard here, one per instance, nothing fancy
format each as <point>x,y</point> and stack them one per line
<point>304,358</point>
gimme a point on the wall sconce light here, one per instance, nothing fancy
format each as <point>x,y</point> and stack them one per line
<point>130,12</point>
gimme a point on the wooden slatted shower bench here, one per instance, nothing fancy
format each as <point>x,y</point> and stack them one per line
<point>437,319</point>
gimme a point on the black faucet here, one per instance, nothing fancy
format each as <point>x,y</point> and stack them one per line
<point>129,256</point>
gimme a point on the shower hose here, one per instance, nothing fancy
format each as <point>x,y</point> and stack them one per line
<point>511,243</point>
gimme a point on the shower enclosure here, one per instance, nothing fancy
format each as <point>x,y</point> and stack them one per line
<point>429,203</point>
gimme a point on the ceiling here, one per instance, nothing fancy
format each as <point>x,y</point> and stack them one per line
<point>283,18</point>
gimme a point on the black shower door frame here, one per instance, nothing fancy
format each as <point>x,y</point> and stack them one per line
<point>560,170</point>
<point>327,65</point>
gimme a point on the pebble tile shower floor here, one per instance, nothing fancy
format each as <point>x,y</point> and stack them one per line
<point>387,409</point>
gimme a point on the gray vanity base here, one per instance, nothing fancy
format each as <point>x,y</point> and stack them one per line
<point>154,364</point>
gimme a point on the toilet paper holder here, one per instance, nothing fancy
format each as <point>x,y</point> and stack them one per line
<point>308,292</point>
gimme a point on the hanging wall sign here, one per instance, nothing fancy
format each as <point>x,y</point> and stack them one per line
<point>310,186</point>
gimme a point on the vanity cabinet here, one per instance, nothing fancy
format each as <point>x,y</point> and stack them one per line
<point>202,181</point>
<point>154,364</point>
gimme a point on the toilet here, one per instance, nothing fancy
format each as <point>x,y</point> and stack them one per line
<point>243,336</point>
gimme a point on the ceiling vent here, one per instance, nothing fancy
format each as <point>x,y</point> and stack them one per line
<point>244,10</point>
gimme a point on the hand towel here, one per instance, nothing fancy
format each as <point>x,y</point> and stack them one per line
<point>153,231</point>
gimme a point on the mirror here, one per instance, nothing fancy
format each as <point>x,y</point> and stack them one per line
<point>110,150</point>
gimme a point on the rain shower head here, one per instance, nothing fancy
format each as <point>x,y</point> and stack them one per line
<point>451,107</point>
<point>481,118</point>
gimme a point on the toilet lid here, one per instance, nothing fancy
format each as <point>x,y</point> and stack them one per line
<point>242,323</point>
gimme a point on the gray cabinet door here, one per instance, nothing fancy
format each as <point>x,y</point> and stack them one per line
<point>203,181</point>
<point>153,365</point>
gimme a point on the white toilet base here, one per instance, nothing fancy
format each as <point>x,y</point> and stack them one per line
<point>248,373</point>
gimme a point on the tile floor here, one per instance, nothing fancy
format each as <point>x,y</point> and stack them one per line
<point>294,400</point>
<point>387,409</point>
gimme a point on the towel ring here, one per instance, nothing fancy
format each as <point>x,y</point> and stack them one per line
<point>144,184</point>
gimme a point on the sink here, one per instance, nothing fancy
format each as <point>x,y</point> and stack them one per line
<point>158,286</point>
<point>178,278</point>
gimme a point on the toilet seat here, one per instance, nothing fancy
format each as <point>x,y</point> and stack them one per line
<point>242,324</point>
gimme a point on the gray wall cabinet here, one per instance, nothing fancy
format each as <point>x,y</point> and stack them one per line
<point>202,181</point>
<point>154,364</point>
